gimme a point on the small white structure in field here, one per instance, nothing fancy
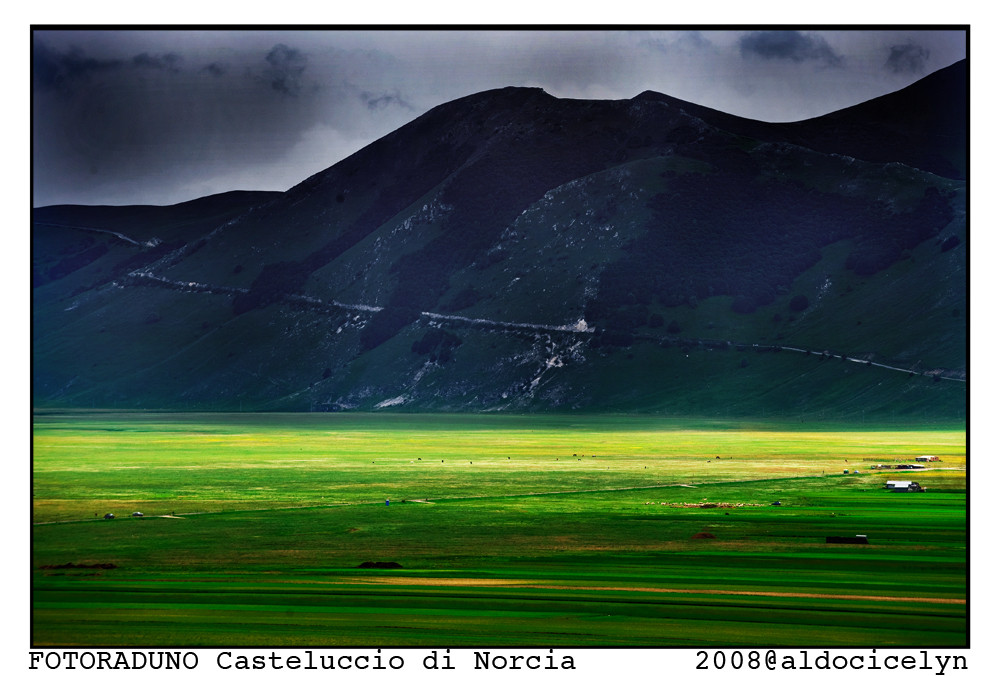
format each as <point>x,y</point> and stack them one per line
<point>904,486</point>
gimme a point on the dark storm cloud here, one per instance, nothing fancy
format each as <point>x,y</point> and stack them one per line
<point>215,69</point>
<point>287,66</point>
<point>908,58</point>
<point>157,117</point>
<point>54,70</point>
<point>169,61</point>
<point>790,46</point>
<point>381,101</point>
<point>683,39</point>
<point>155,121</point>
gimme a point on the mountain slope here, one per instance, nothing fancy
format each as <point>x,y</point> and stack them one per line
<point>514,251</point>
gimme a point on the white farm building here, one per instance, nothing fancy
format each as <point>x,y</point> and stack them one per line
<point>904,486</point>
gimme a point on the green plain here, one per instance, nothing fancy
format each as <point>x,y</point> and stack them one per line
<point>520,530</point>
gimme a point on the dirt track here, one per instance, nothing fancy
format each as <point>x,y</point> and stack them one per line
<point>526,584</point>
<point>146,276</point>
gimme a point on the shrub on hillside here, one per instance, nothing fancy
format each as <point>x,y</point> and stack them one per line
<point>798,303</point>
<point>438,344</point>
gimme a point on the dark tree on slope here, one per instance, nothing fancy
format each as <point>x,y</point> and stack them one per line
<point>798,303</point>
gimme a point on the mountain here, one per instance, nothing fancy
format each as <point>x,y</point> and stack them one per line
<point>514,251</point>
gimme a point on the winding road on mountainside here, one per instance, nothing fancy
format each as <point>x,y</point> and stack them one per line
<point>146,276</point>
<point>122,236</point>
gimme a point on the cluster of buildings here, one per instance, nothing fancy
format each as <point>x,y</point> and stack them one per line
<point>910,486</point>
<point>896,486</point>
<point>906,486</point>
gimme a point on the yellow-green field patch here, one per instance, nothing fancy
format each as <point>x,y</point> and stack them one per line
<point>547,516</point>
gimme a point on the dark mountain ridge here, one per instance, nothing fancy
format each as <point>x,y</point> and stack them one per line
<point>514,251</point>
<point>883,129</point>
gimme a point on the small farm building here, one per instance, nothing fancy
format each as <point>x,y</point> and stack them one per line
<point>909,467</point>
<point>928,458</point>
<point>904,486</point>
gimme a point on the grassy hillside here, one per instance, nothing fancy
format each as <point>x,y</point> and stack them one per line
<point>514,251</point>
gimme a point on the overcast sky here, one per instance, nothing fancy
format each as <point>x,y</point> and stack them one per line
<point>159,117</point>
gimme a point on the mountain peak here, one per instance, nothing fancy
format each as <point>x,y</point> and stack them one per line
<point>511,250</point>
<point>509,94</point>
<point>651,95</point>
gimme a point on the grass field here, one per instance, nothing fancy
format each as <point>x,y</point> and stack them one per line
<point>508,530</point>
